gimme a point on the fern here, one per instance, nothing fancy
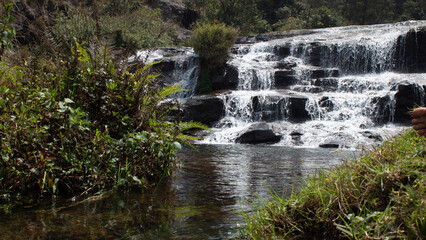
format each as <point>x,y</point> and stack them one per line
<point>184,126</point>
<point>169,90</point>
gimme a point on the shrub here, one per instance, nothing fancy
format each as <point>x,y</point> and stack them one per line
<point>212,43</point>
<point>91,128</point>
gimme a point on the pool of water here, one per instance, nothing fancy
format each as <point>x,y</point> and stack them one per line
<point>200,200</point>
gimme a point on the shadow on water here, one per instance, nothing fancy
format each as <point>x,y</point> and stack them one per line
<point>199,202</point>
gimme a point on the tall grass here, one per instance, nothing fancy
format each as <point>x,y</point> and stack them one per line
<point>380,195</point>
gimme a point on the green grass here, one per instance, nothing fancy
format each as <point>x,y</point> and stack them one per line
<point>380,195</point>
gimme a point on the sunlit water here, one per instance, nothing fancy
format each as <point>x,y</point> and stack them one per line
<point>200,201</point>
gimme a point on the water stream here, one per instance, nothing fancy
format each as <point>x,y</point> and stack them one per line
<point>200,201</point>
<point>342,75</point>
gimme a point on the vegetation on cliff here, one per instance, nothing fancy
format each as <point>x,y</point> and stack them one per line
<point>212,43</point>
<point>257,16</point>
<point>381,195</point>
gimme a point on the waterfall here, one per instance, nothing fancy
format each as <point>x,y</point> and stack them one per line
<point>340,87</point>
<point>346,77</point>
<point>177,65</point>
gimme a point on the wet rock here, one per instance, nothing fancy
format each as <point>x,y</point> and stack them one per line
<point>411,51</point>
<point>296,109</point>
<point>408,96</point>
<point>382,109</point>
<point>287,63</point>
<point>296,138</point>
<point>284,78</point>
<point>268,108</point>
<point>282,51</point>
<point>330,145</point>
<point>322,73</point>
<point>315,54</point>
<point>226,78</point>
<point>327,84</point>
<point>171,61</point>
<point>326,103</point>
<point>259,133</point>
<point>371,135</point>
<point>205,109</point>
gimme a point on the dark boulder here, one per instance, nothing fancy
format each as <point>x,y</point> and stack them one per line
<point>330,145</point>
<point>225,78</point>
<point>259,133</point>
<point>411,51</point>
<point>282,51</point>
<point>382,109</point>
<point>408,96</point>
<point>375,136</point>
<point>284,78</point>
<point>287,63</point>
<point>206,109</point>
<point>297,109</point>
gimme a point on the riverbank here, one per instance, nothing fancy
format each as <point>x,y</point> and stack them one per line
<point>379,195</point>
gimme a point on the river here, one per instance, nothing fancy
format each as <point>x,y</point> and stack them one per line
<point>200,201</point>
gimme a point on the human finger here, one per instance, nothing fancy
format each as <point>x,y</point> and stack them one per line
<point>419,112</point>
<point>419,126</point>
<point>418,121</point>
<point>422,132</point>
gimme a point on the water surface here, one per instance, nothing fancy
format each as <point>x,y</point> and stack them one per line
<point>200,201</point>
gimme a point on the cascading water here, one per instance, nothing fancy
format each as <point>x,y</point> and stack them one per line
<point>178,66</point>
<point>343,74</point>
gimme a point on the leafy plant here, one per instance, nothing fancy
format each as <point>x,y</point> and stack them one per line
<point>91,128</point>
<point>212,42</point>
<point>7,31</point>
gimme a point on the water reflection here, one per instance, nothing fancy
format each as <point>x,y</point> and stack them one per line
<point>199,202</point>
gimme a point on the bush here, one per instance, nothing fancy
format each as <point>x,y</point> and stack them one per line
<point>90,128</point>
<point>212,43</point>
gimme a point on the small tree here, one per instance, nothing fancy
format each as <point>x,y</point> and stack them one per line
<point>212,42</point>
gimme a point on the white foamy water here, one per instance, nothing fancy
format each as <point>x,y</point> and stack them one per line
<point>342,108</point>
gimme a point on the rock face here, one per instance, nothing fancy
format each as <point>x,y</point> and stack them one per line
<point>296,109</point>
<point>411,52</point>
<point>407,97</point>
<point>259,133</point>
<point>345,87</point>
<point>205,109</point>
<point>225,79</point>
<point>175,11</point>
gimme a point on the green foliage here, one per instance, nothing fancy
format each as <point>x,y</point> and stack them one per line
<point>378,196</point>
<point>256,16</point>
<point>7,31</point>
<point>212,42</point>
<point>91,127</point>
<point>323,18</point>
<point>240,14</point>
<point>124,24</point>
